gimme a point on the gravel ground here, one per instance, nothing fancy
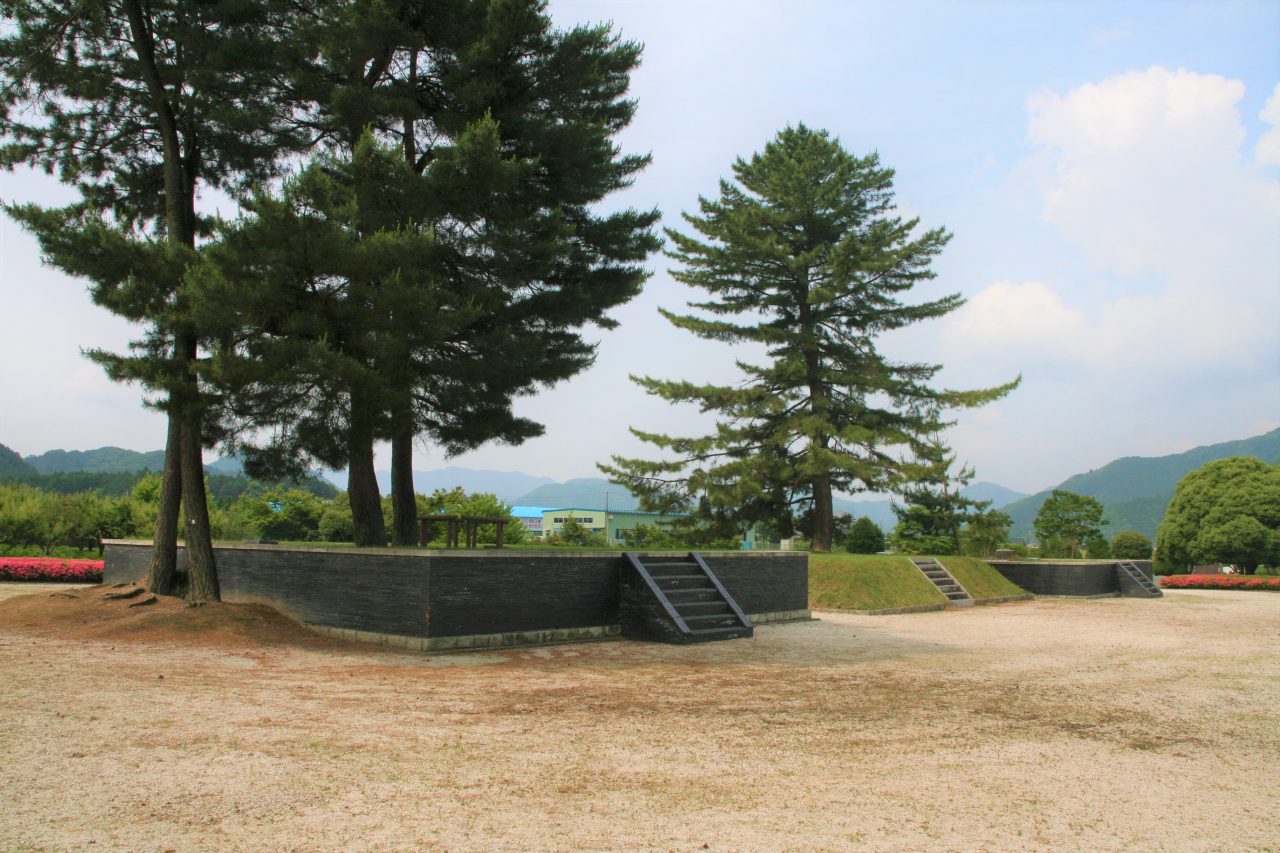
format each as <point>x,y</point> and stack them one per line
<point>1113,724</point>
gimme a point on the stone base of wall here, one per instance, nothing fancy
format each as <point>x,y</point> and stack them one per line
<point>476,642</point>
<point>780,616</point>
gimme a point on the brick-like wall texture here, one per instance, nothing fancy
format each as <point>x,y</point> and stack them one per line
<point>764,582</point>
<point>451,593</point>
<point>1044,578</point>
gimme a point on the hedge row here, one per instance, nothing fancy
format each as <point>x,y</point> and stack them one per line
<point>1219,582</point>
<point>50,569</point>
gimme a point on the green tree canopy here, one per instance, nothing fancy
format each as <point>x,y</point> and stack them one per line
<point>1067,523</point>
<point>803,255</point>
<point>1227,511</point>
<point>865,537</point>
<point>1130,545</point>
<point>444,255</point>
<point>933,509</point>
<point>139,104</point>
<point>984,532</point>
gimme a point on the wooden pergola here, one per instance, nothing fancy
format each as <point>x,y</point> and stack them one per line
<point>459,524</point>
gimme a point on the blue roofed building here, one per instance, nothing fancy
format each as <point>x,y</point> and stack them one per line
<point>531,517</point>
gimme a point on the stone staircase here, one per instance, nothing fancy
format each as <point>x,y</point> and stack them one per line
<point>678,601</point>
<point>942,579</point>
<point>1134,583</point>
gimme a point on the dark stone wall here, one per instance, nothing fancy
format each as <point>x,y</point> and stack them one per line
<point>128,563</point>
<point>1145,566</point>
<point>641,615</point>
<point>1061,578</point>
<point>386,593</point>
<point>764,583</point>
<point>522,592</point>
<point>447,594</point>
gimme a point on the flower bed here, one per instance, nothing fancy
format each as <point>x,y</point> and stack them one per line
<point>50,569</point>
<point>1219,582</point>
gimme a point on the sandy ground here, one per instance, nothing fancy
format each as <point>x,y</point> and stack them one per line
<point>13,590</point>
<point>1113,724</point>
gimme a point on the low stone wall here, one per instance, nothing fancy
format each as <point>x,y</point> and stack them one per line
<point>522,596</point>
<point>1044,577</point>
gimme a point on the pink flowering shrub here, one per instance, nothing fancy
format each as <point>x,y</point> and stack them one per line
<point>50,569</point>
<point>1219,582</point>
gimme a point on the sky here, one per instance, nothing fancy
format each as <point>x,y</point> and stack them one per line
<point>1110,173</point>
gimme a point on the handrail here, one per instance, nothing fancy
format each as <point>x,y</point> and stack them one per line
<point>724,593</point>
<point>1135,572</point>
<point>657,591</point>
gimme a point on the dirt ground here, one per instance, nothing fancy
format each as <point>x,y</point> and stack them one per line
<point>1114,724</point>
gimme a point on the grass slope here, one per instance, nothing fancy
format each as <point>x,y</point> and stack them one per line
<point>867,582</point>
<point>881,581</point>
<point>979,578</point>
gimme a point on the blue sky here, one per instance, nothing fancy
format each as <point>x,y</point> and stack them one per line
<point>1110,171</point>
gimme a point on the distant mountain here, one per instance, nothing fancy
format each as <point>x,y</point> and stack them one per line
<point>584,493</point>
<point>588,492</point>
<point>1136,490</point>
<point>103,460</point>
<point>111,460</point>
<point>11,464</point>
<point>228,465</point>
<point>999,496</point>
<point>881,511</point>
<point>112,470</point>
<point>507,485</point>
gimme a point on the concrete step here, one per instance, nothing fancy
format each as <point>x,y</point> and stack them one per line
<point>684,582</point>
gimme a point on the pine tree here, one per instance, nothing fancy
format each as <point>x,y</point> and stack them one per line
<point>933,509</point>
<point>140,104</point>
<point>503,128</point>
<point>803,255</point>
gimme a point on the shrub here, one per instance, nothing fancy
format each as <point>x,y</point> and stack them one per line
<point>1130,545</point>
<point>50,569</point>
<point>865,537</point>
<point>1098,548</point>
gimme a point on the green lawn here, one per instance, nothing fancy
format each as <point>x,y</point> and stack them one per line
<point>868,582</point>
<point>882,581</point>
<point>979,578</point>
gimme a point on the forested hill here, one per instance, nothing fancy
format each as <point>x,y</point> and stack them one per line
<point>11,464</point>
<point>113,471</point>
<point>583,493</point>
<point>103,460</point>
<point>1136,490</point>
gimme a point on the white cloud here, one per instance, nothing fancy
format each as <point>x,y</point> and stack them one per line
<point>1017,314</point>
<point>1147,172</point>
<point>1268,150</point>
<point>1145,175</point>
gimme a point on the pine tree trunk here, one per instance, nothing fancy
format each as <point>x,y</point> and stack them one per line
<point>164,543</point>
<point>362,480</point>
<point>202,572</point>
<point>181,166</point>
<point>404,504</point>
<point>823,519</point>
